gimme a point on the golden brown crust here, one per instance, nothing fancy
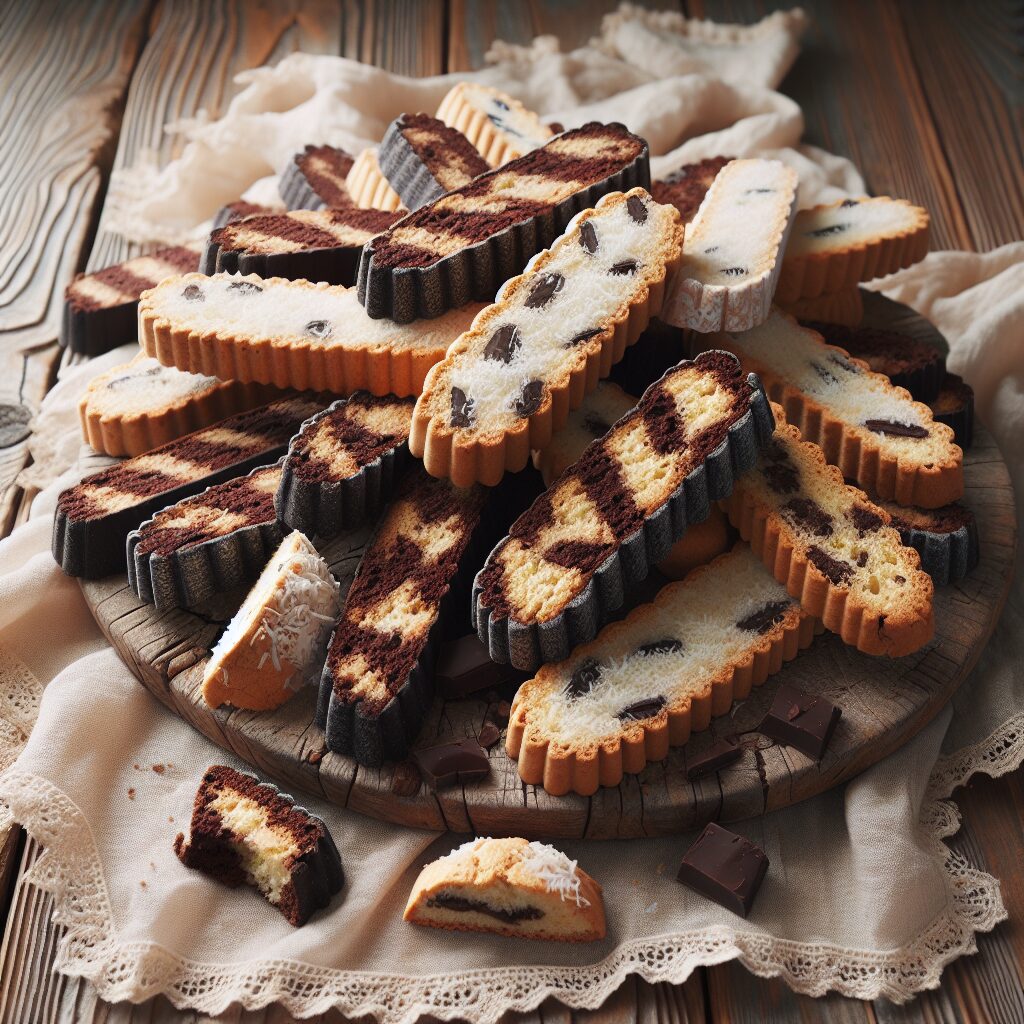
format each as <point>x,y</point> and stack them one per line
<point>369,188</point>
<point>845,307</point>
<point>701,543</point>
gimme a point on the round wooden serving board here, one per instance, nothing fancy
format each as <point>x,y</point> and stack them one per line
<point>884,703</point>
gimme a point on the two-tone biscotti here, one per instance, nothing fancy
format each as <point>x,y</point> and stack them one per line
<point>94,517</point>
<point>366,183</point>
<point>206,544</point>
<point>100,308</point>
<point>954,406</point>
<point>423,158</point>
<point>507,384</point>
<point>464,245</point>
<point>315,245</point>
<point>246,832</point>
<point>874,432</point>
<point>686,187</point>
<point>650,680</point>
<point>833,247</point>
<point>141,405</point>
<point>567,561</point>
<point>509,887</point>
<point>845,308</point>
<point>378,681</point>
<point>239,210</point>
<point>832,548</point>
<point>499,127</point>
<point>291,334</point>
<point>315,178</point>
<point>342,465</point>
<point>277,640</point>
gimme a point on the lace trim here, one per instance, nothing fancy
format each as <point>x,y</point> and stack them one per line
<point>20,694</point>
<point>1001,753</point>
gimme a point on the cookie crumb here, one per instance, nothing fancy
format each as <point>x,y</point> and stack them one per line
<point>159,768</point>
<point>315,756</point>
<point>131,792</point>
<point>142,882</point>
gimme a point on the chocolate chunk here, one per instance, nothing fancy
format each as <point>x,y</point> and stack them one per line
<point>849,202</point>
<point>583,336</point>
<point>318,328</point>
<point>667,646</point>
<point>247,287</point>
<point>543,290</point>
<point>503,344</point>
<point>900,579</point>
<point>623,268</point>
<point>588,236</point>
<point>584,679</point>
<point>406,779</point>
<point>832,229</point>
<point>464,667</point>
<point>725,867</point>
<point>718,755</point>
<point>637,209</point>
<point>764,618</point>
<point>710,249</point>
<point>800,720</point>
<point>641,709</point>
<point>488,736</point>
<point>193,293</point>
<point>810,514</point>
<point>462,409</point>
<point>781,478</point>
<point>838,572</point>
<point>464,905</point>
<point>826,375</point>
<point>896,429</point>
<point>862,559</point>
<point>865,520</point>
<point>447,763</point>
<point>734,271</point>
<point>530,398</point>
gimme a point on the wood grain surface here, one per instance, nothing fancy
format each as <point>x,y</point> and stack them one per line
<point>950,69</point>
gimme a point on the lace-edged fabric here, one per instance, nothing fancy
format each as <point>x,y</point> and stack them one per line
<point>20,694</point>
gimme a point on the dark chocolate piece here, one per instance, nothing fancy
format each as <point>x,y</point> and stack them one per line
<point>725,867</point>
<point>488,735</point>
<point>641,709</point>
<point>718,755</point>
<point>462,408</point>
<point>800,720</point>
<point>449,763</point>
<point>503,344</point>
<point>464,905</point>
<point>465,667</point>
<point>896,429</point>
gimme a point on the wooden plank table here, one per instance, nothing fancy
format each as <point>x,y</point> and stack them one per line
<point>924,97</point>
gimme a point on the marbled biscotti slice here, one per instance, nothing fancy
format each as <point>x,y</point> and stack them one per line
<point>645,683</point>
<point>206,544</point>
<point>834,246</point>
<point>686,187</point>
<point>465,244</point>
<point>343,463</point>
<point>141,405</point>
<point>277,641</point>
<point>100,308</point>
<point>874,432</point>
<point>497,126</point>
<point>239,210</point>
<point>509,887</point>
<point>832,549</point>
<point>734,247</point>
<point>567,561</point>
<point>378,681</point>
<point>94,517</point>
<point>291,334</point>
<point>315,178</point>
<point>366,183</point>
<point>507,384</point>
<point>845,307</point>
<point>423,158</point>
<point>315,245</point>
<point>954,406</point>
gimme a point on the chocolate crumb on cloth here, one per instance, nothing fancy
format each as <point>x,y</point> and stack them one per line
<point>315,178</point>
<point>724,867</point>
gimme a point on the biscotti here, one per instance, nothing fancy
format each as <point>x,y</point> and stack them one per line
<point>499,127</point>
<point>246,832</point>
<point>94,517</point>
<point>567,561</point>
<point>239,210</point>
<point>291,334</point>
<point>317,245</point>
<point>141,405</point>
<point>277,640</point>
<point>874,432</point>
<point>100,308</point>
<point>734,248</point>
<point>832,549</point>
<point>650,680</point>
<point>509,887</point>
<point>464,245</point>
<point>686,187</point>
<point>423,158</point>
<point>206,544</point>
<point>845,307</point>
<point>366,183</point>
<point>833,247</point>
<point>342,465</point>
<point>702,543</point>
<point>507,384</point>
<point>954,406</point>
<point>315,178</point>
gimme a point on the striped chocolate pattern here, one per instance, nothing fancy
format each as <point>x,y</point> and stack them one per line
<point>686,187</point>
<point>316,178</point>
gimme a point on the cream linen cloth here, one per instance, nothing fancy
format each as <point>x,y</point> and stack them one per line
<point>862,897</point>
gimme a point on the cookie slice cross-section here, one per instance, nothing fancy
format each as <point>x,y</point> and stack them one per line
<point>686,187</point>
<point>366,183</point>
<point>316,178</point>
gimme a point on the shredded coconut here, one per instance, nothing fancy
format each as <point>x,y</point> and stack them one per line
<point>556,870</point>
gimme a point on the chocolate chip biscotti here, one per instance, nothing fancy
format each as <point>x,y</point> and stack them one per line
<point>315,178</point>
<point>650,680</point>
<point>832,548</point>
<point>565,565</point>
<point>507,384</point>
<point>291,334</point>
<point>686,187</point>
<point>464,245</point>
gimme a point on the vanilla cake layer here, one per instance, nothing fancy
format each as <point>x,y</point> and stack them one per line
<point>366,183</point>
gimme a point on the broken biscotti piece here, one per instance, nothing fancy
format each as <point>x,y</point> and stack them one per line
<point>567,561</point>
<point>832,549</point>
<point>378,681</point>
<point>343,463</point>
<point>508,383</point>
<point>246,832</point>
<point>464,245</point>
<point>874,432</point>
<point>650,680</point>
<point>277,640</point>
<point>734,247</point>
<point>206,544</point>
<point>317,245</point>
<point>290,333</point>
<point>499,127</point>
<point>316,178</point>
<point>833,247</point>
<point>945,538</point>
<point>140,405</point>
<point>423,158</point>
<point>686,187</point>
<point>845,307</point>
<point>366,183</point>
<point>509,887</point>
<point>94,517</point>
<point>100,308</point>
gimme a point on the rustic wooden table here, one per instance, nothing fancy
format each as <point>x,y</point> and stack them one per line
<point>924,97</point>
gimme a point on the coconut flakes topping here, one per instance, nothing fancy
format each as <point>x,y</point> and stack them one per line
<point>555,870</point>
